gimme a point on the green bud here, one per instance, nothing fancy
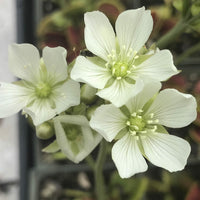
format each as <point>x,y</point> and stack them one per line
<point>88,94</point>
<point>44,131</point>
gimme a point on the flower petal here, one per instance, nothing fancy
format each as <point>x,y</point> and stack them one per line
<point>166,151</point>
<point>13,98</point>
<point>86,71</point>
<point>24,61</point>
<point>108,121</point>
<point>137,102</point>
<point>121,91</point>
<point>127,157</point>
<point>86,143</point>
<point>174,109</point>
<point>55,62</point>
<point>158,67</point>
<point>99,34</point>
<point>133,28</point>
<point>40,111</point>
<point>67,95</point>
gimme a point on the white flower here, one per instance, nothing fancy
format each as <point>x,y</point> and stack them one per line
<point>74,137</point>
<point>45,89</point>
<point>121,69</point>
<point>138,128</point>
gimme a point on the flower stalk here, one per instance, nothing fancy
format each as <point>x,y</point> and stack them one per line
<point>98,172</point>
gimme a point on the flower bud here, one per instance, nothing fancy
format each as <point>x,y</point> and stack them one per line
<point>44,131</point>
<point>88,94</point>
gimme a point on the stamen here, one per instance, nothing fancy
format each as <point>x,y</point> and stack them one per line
<point>138,116</point>
<point>135,127</point>
<point>128,72</point>
<point>140,110</point>
<point>149,121</point>
<point>119,78</point>
<point>134,114</point>
<point>128,123</point>
<point>133,133</point>
<point>156,120</point>
<point>151,115</point>
<point>143,132</point>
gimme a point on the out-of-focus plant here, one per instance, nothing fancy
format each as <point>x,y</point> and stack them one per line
<point>64,27</point>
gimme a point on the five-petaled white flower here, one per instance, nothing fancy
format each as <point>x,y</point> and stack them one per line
<point>74,137</point>
<point>138,128</point>
<point>45,89</point>
<point>121,69</point>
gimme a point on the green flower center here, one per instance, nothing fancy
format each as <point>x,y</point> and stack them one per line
<point>43,90</point>
<point>139,125</point>
<point>72,131</point>
<point>119,69</point>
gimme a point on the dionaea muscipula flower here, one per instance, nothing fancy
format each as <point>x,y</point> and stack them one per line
<point>138,129</point>
<point>45,88</point>
<point>121,68</point>
<point>74,137</point>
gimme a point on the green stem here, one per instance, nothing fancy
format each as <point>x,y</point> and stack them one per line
<point>180,27</point>
<point>169,37</point>
<point>187,53</point>
<point>98,172</point>
<point>90,161</point>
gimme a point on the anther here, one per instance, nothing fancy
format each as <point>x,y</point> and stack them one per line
<point>133,133</point>
<point>134,114</point>
<point>119,78</point>
<point>143,132</point>
<point>149,121</point>
<point>156,120</point>
<point>135,127</point>
<point>128,123</point>
<point>128,72</point>
<point>140,117</point>
<point>140,110</point>
<point>151,115</point>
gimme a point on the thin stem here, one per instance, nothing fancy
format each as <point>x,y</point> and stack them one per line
<point>90,161</point>
<point>98,172</point>
<point>169,37</point>
<point>187,53</point>
<point>180,27</point>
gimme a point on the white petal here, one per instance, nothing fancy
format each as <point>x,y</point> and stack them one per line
<point>108,121</point>
<point>62,140</point>
<point>166,151</point>
<point>127,157</point>
<point>12,99</point>
<point>24,61</point>
<point>158,67</point>
<point>55,62</point>
<point>120,92</point>
<point>133,28</point>
<point>99,34</point>
<point>86,71</point>
<point>67,95</point>
<point>137,102</point>
<point>86,143</point>
<point>40,111</point>
<point>174,109</point>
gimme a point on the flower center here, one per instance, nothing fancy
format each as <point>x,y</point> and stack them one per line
<point>43,90</point>
<point>119,69</point>
<point>139,125</point>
